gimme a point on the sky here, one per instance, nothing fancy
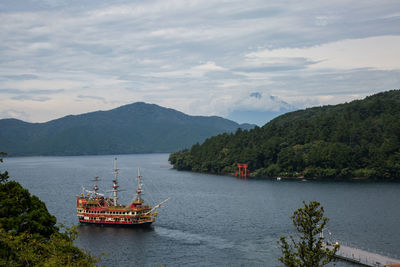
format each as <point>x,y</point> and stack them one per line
<point>60,57</point>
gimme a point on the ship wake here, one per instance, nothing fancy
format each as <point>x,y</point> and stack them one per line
<point>195,239</point>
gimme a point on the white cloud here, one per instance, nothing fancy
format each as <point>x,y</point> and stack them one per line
<point>42,84</point>
<point>14,113</point>
<point>381,52</point>
<point>208,66</point>
<point>200,57</point>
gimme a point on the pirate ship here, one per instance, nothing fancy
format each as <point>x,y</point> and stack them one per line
<point>94,208</point>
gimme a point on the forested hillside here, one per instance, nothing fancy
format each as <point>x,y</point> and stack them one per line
<point>133,128</point>
<point>28,232</point>
<point>357,139</point>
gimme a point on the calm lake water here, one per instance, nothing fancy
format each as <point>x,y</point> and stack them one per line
<point>210,220</point>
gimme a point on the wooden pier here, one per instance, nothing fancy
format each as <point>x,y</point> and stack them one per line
<point>363,257</point>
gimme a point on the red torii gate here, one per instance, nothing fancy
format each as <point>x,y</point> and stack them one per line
<point>242,171</point>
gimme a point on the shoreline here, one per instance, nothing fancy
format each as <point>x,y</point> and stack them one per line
<point>301,178</point>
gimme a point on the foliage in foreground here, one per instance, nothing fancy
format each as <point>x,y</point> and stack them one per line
<point>357,139</point>
<point>308,250</point>
<point>3,176</point>
<point>27,249</point>
<point>28,232</point>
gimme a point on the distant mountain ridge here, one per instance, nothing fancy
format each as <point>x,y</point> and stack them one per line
<point>133,128</point>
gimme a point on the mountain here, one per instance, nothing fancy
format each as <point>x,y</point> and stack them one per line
<point>259,109</point>
<point>133,128</point>
<point>257,117</point>
<point>356,139</point>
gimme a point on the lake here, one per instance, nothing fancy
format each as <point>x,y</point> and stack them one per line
<point>210,220</point>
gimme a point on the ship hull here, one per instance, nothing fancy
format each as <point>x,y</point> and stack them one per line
<point>143,225</point>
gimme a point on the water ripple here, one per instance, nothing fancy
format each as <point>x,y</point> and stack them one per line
<point>195,239</point>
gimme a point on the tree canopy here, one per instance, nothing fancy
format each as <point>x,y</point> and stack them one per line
<point>28,232</point>
<point>20,212</point>
<point>3,176</point>
<point>356,139</point>
<point>309,249</point>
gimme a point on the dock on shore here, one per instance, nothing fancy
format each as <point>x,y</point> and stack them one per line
<point>364,257</point>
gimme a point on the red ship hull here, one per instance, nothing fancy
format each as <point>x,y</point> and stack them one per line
<point>105,223</point>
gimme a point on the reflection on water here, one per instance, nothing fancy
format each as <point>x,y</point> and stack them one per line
<point>210,220</point>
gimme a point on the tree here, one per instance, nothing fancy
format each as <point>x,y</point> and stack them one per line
<point>28,234</point>
<point>26,249</point>
<point>21,212</point>
<point>309,250</point>
<point>3,176</point>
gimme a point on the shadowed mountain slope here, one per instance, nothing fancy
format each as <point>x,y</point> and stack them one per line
<point>133,128</point>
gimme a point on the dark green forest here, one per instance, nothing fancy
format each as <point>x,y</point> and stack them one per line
<point>359,139</point>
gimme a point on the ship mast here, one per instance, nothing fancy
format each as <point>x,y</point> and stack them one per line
<point>139,188</point>
<point>115,183</point>
<point>94,193</point>
<point>96,187</point>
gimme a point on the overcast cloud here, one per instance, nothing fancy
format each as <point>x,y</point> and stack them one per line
<point>200,57</point>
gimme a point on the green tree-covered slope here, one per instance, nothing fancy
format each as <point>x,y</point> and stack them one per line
<point>134,128</point>
<point>357,139</point>
<point>28,232</point>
